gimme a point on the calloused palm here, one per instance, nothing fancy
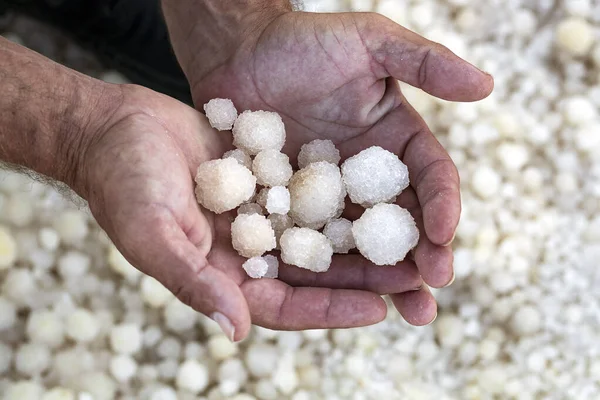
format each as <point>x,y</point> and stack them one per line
<point>139,184</point>
<point>335,76</point>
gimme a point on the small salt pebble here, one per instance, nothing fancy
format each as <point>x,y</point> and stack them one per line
<point>485,182</point>
<point>192,376</point>
<point>154,293</point>
<point>32,359</point>
<point>82,326</point>
<point>272,168</point>
<point>59,393</point>
<point>256,267</point>
<point>272,267</point>
<point>73,265</point>
<point>221,113</point>
<point>318,150</point>
<point>8,248</point>
<point>306,248</point>
<point>45,327</point>
<point>123,367</point>
<point>255,131</point>
<point>240,156</point>
<point>575,36</point>
<point>261,359</point>
<point>71,226</point>
<point>252,235</point>
<point>126,339</point>
<point>24,390</point>
<point>339,232</point>
<point>526,321</point>
<point>278,200</point>
<point>179,317</point>
<point>221,348</point>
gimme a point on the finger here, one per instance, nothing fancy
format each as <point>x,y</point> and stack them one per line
<point>276,305</point>
<point>433,261</point>
<point>418,308</point>
<point>352,271</point>
<point>419,62</point>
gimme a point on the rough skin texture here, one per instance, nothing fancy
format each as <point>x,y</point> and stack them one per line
<point>278,200</point>
<point>385,233</point>
<point>222,185</point>
<point>255,131</point>
<point>318,150</point>
<point>306,248</point>
<point>272,168</point>
<point>374,176</point>
<point>339,232</point>
<point>316,192</point>
<point>256,267</point>
<point>221,114</point>
<point>252,235</point>
<point>241,156</point>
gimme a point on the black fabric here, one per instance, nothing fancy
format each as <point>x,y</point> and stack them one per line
<point>127,35</point>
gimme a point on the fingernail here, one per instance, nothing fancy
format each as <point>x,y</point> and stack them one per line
<point>451,240</point>
<point>433,320</point>
<point>451,280</point>
<point>225,324</point>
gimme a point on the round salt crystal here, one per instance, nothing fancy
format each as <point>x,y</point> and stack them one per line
<point>255,131</point>
<point>193,350</point>
<point>310,376</point>
<point>318,150</point>
<point>24,390</point>
<point>527,320</point>
<point>278,200</point>
<point>289,340</point>
<point>154,293</point>
<point>339,232</point>
<point>285,377</point>
<point>279,223</point>
<point>8,248</point>
<point>449,330</point>
<point>232,371</point>
<point>222,185</point>
<point>167,369</point>
<point>374,176</point>
<point>6,356</point>
<point>164,393</point>
<point>575,36</point>
<point>179,317</point>
<point>45,327</point>
<point>73,265</point>
<point>221,348</point>
<point>306,248</point>
<point>59,393</point>
<point>121,266</point>
<point>485,182</point>
<point>250,208</point>
<point>240,156</point>
<point>19,285</point>
<point>82,326</point>
<point>32,359</point>
<point>566,182</point>
<point>221,114</point>
<point>587,138</point>
<point>72,226</point>
<point>126,339</point>
<point>316,192</point>
<point>123,367</point>
<point>256,267</point>
<point>261,359</point>
<point>192,376</point>
<point>578,110</point>
<point>169,347</point>
<point>18,209</point>
<point>385,233</point>
<point>8,314</point>
<point>488,349</point>
<point>512,156</point>
<point>99,385</point>
<point>265,390</point>
<point>272,168</point>
<point>252,235</point>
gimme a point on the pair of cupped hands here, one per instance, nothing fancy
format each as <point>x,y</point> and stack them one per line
<point>330,76</point>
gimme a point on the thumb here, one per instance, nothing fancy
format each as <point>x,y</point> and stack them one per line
<point>411,58</point>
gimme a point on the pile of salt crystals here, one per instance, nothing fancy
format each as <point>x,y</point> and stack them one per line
<point>291,208</point>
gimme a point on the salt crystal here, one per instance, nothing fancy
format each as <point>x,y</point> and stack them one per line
<point>318,150</point>
<point>278,200</point>
<point>526,320</point>
<point>250,208</point>
<point>255,131</point>
<point>385,233</point>
<point>252,235</point>
<point>306,248</point>
<point>45,327</point>
<point>256,267</point>
<point>123,367</point>
<point>32,359</point>
<point>273,267</point>
<point>272,168</point>
<point>121,265</point>
<point>222,185</point>
<point>154,293</point>
<point>221,113</point>
<point>261,359</point>
<point>485,182</point>
<point>279,223</point>
<point>6,355</point>
<point>316,192</point>
<point>8,248</point>
<point>192,376</point>
<point>126,339</point>
<point>59,393</point>
<point>449,329</point>
<point>179,317</point>
<point>240,156</point>
<point>221,348</point>
<point>24,390</point>
<point>72,226</point>
<point>374,176</point>
<point>575,36</point>
<point>82,326</point>
<point>73,265</point>
<point>339,232</point>
<point>579,111</point>
<point>19,285</point>
<point>262,196</point>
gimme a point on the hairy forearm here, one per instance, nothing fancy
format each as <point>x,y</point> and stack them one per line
<point>205,33</point>
<point>48,113</point>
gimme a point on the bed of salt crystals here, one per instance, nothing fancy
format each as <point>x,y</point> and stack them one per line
<point>521,321</point>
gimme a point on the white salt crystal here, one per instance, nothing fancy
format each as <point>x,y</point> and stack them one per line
<point>449,329</point>
<point>164,393</point>
<point>18,209</point>
<point>6,355</point>
<point>512,156</point>
<point>123,367</point>
<point>318,150</point>
<point>575,36</point>
<point>579,111</point>
<point>250,208</point>
<point>179,317</point>
<point>169,347</point>
<point>316,192</point>
<point>278,200</point>
<point>240,156</point>
<point>121,266</point>
<point>262,196</point>
<point>385,233</point>
<point>8,248</point>
<point>73,265</point>
<point>24,390</point>
<point>255,131</point>
<point>261,359</point>
<point>126,339</point>
<point>32,359</point>
<point>222,185</point>
<point>59,393</point>
<point>19,285</point>
<point>72,226</point>
<point>279,223</point>
<point>99,385</point>
<point>273,266</point>
<point>154,293</point>
<point>252,235</point>
<point>192,376</point>
<point>45,327</point>
<point>339,232</point>
<point>272,168</point>
<point>221,348</point>
<point>221,113</point>
<point>256,267</point>
<point>527,320</point>
<point>306,248</point>
<point>374,176</point>
<point>485,182</point>
<point>82,326</point>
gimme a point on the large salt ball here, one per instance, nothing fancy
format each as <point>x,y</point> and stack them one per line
<point>316,193</point>
<point>45,327</point>
<point>255,131</point>
<point>221,114</point>
<point>272,168</point>
<point>126,339</point>
<point>306,248</point>
<point>192,376</point>
<point>575,36</point>
<point>374,176</point>
<point>222,185</point>
<point>82,326</point>
<point>385,233</point>
<point>252,235</point>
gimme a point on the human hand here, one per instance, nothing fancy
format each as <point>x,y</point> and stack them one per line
<point>334,76</point>
<point>138,179</point>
